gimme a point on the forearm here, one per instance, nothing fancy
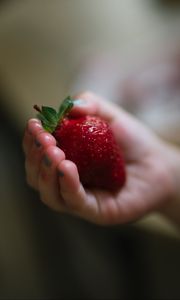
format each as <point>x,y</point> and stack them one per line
<point>171,209</point>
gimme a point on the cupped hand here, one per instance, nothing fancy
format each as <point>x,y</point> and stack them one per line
<point>149,182</point>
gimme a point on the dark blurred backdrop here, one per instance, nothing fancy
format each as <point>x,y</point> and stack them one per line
<point>48,49</point>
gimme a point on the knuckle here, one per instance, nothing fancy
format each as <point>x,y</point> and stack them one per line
<point>31,182</point>
<point>50,202</point>
<point>44,176</point>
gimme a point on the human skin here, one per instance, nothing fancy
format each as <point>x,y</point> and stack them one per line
<point>153,170</point>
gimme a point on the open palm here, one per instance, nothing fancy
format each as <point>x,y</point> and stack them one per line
<point>148,183</point>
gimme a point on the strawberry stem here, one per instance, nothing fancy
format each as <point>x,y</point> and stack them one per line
<point>36,107</point>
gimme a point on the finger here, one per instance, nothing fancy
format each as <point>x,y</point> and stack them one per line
<point>41,141</point>
<point>32,126</point>
<point>76,199</point>
<point>48,178</point>
<point>89,103</point>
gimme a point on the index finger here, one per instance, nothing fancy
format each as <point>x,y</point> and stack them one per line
<point>92,104</point>
<point>33,125</point>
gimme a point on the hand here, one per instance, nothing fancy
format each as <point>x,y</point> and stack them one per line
<point>149,182</point>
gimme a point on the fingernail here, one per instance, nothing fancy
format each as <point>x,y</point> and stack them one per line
<point>37,143</point>
<point>46,161</point>
<point>60,173</point>
<point>79,102</point>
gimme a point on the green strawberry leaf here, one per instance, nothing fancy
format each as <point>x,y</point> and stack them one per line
<point>50,114</point>
<point>65,107</point>
<point>48,126</point>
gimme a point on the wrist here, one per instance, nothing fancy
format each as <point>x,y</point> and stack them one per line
<point>171,209</point>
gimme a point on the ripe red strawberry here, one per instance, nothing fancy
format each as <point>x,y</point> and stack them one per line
<point>88,141</point>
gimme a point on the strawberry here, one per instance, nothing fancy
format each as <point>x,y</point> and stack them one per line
<point>89,142</point>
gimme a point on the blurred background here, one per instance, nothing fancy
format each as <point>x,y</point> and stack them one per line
<point>129,52</point>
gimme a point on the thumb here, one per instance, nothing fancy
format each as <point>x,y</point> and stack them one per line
<point>134,138</point>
